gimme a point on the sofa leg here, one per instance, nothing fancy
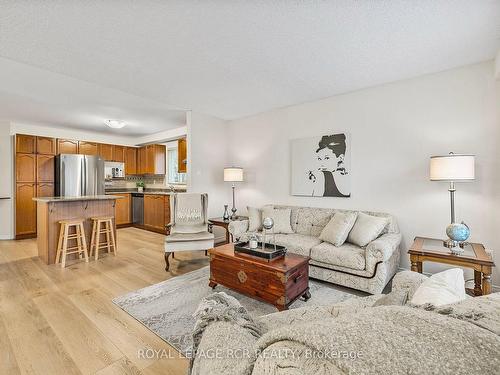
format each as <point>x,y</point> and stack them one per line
<point>166,261</point>
<point>173,255</point>
<point>206,252</point>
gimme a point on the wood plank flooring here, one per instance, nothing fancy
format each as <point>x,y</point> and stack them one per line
<point>62,321</point>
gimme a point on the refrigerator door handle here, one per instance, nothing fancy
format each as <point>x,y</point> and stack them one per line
<point>83,177</point>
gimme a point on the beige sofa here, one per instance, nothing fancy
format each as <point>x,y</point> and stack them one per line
<point>351,337</point>
<point>368,269</point>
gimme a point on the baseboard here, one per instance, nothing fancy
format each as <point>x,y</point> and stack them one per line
<point>494,288</point>
<point>6,237</point>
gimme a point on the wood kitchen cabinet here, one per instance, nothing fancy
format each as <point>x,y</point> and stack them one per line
<point>25,168</point>
<point>67,146</point>
<point>118,153</point>
<point>87,148</point>
<point>45,189</point>
<point>25,210</point>
<point>130,160</point>
<point>105,151</point>
<point>166,202</point>
<point>182,155</point>
<point>152,159</point>
<point>44,168</point>
<point>154,212</point>
<point>25,143</point>
<point>123,209</point>
<point>45,145</point>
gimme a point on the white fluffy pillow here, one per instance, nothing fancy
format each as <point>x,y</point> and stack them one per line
<point>281,218</point>
<point>441,288</point>
<point>337,229</point>
<point>254,219</point>
<point>366,229</point>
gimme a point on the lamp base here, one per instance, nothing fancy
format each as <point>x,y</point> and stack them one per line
<point>455,247</point>
<point>234,216</point>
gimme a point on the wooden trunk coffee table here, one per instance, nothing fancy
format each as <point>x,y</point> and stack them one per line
<point>278,282</point>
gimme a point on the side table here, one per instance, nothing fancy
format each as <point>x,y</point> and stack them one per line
<point>220,222</point>
<point>474,256</point>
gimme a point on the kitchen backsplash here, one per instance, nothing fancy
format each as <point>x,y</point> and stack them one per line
<point>130,182</point>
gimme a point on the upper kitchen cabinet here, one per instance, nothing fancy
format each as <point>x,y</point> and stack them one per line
<point>45,145</point>
<point>87,148</point>
<point>130,160</point>
<point>25,144</point>
<point>152,159</point>
<point>182,155</point>
<point>118,153</point>
<point>105,151</point>
<point>67,146</point>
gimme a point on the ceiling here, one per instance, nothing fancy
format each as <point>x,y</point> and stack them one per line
<point>229,59</point>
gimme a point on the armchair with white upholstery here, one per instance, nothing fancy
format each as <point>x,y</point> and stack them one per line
<point>188,225</point>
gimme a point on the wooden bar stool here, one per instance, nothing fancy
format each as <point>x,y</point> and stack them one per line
<point>97,230</point>
<point>65,236</point>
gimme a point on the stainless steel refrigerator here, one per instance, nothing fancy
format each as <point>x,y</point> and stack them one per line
<point>79,175</point>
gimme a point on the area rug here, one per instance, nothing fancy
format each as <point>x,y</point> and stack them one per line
<point>166,308</point>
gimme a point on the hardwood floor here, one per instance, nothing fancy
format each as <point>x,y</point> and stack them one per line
<point>62,321</point>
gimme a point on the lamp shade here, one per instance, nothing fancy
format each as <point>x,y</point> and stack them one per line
<point>452,167</point>
<point>233,174</point>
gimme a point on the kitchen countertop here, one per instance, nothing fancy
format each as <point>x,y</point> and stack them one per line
<point>83,198</point>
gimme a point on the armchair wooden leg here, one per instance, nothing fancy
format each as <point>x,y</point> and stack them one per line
<point>206,252</point>
<point>173,255</point>
<point>166,261</point>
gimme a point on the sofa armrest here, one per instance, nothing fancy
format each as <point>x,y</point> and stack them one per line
<point>224,349</point>
<point>408,280</point>
<point>383,247</point>
<point>237,228</point>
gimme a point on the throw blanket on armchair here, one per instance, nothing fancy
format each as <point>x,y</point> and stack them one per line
<point>374,340</point>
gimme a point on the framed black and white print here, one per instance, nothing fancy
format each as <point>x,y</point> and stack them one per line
<point>321,166</point>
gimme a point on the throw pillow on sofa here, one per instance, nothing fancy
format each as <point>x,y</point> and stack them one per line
<point>281,218</point>
<point>366,229</point>
<point>254,219</point>
<point>441,288</point>
<point>338,228</point>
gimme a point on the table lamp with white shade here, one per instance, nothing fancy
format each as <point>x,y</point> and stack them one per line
<point>453,168</point>
<point>233,174</point>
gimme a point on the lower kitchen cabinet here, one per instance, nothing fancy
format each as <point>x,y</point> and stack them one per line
<point>154,212</point>
<point>123,209</point>
<point>25,210</point>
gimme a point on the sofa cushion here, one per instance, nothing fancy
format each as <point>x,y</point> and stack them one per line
<point>254,219</point>
<point>337,230</point>
<point>297,243</point>
<point>347,255</point>
<point>366,229</point>
<point>281,218</point>
<point>311,221</point>
<point>441,288</point>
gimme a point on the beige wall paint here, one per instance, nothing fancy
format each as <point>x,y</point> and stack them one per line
<point>394,129</point>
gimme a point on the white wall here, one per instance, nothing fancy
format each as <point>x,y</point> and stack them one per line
<point>394,128</point>
<point>207,141</point>
<point>6,206</point>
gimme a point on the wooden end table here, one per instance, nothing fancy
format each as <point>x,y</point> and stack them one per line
<point>279,282</point>
<point>220,222</point>
<point>474,256</point>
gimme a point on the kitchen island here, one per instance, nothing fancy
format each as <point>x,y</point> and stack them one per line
<point>51,210</point>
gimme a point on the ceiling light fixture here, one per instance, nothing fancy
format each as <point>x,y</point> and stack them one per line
<point>115,124</point>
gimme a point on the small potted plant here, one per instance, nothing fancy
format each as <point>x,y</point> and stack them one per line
<point>140,186</point>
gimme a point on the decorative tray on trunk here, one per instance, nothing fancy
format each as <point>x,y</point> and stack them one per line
<point>269,252</point>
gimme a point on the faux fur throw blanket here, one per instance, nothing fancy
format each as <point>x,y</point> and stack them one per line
<point>381,340</point>
<point>221,307</point>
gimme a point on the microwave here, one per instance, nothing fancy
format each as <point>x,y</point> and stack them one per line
<point>114,170</point>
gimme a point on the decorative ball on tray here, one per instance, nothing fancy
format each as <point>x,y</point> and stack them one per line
<point>268,223</point>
